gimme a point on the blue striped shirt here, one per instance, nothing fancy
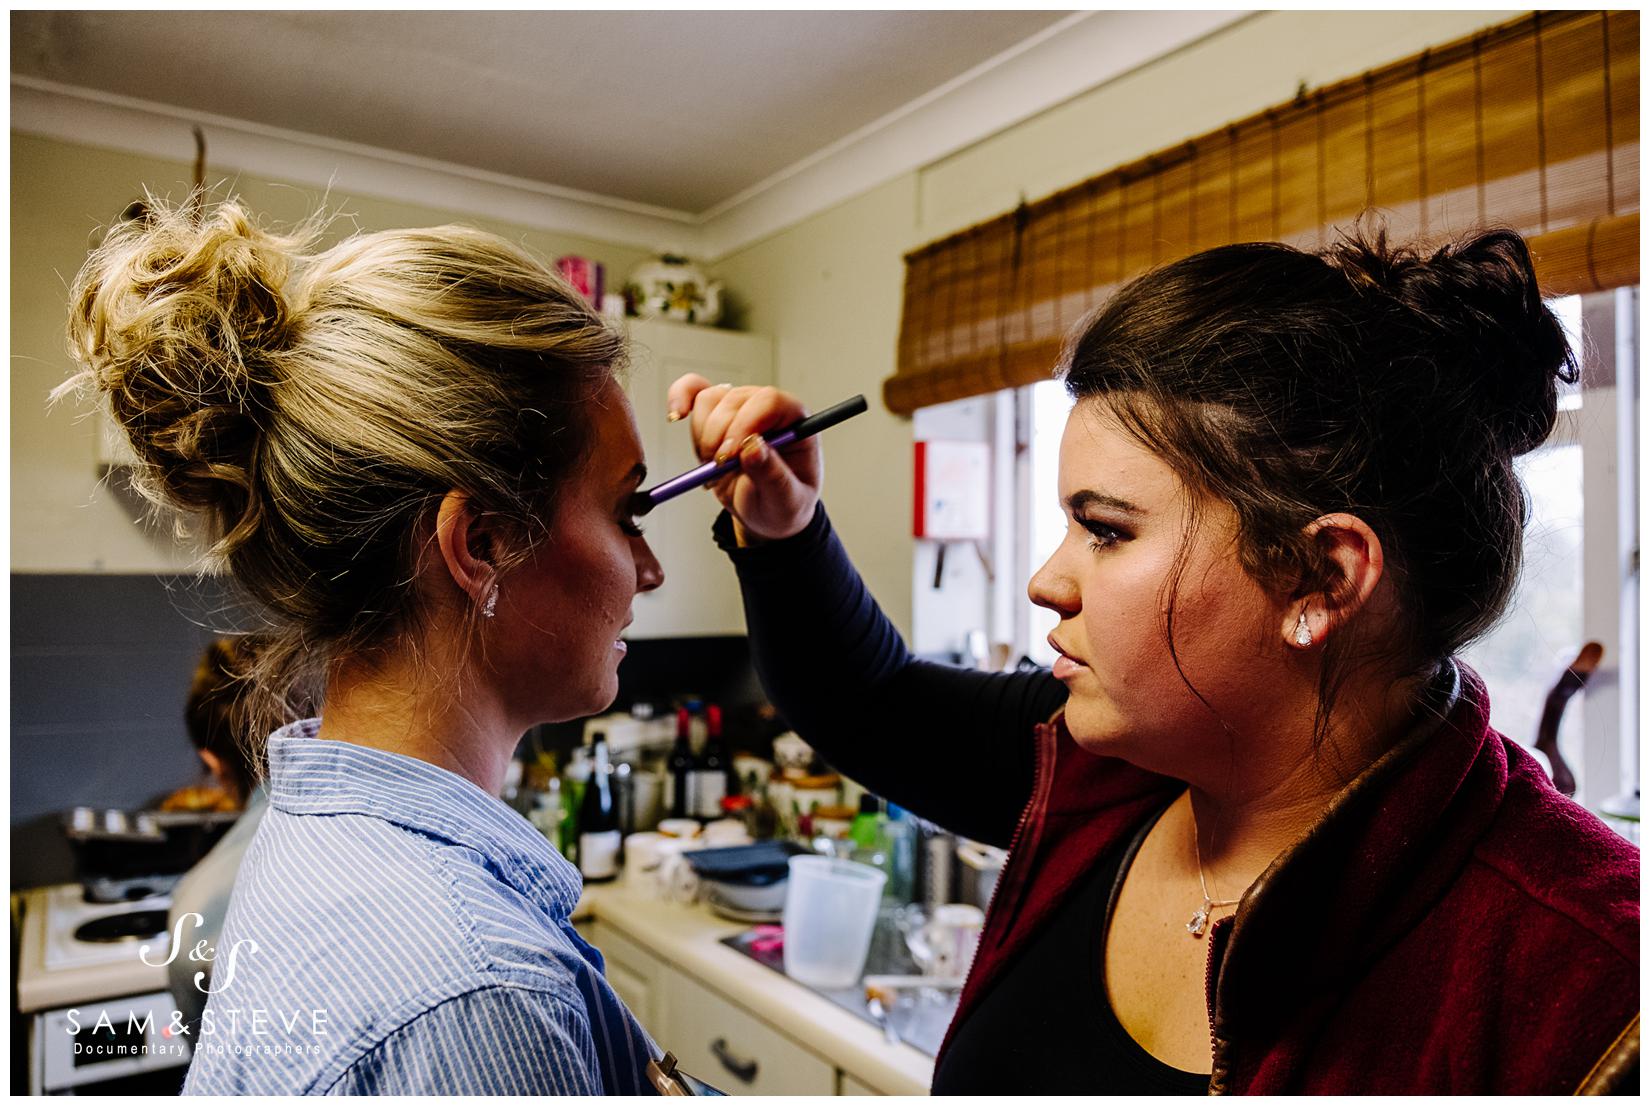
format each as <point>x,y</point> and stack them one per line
<point>396,929</point>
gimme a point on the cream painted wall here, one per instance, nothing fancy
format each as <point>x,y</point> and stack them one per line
<point>1245,68</point>
<point>63,518</point>
<point>829,288</point>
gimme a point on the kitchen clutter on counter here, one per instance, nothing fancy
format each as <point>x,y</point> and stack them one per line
<point>678,804</point>
<point>663,781</point>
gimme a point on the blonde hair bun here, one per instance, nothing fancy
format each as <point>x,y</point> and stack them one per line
<point>312,408</point>
<point>174,317</point>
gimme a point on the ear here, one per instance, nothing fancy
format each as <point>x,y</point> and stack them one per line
<point>466,547</point>
<point>1352,554</point>
<point>214,764</point>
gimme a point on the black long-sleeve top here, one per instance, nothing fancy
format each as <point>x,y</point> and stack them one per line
<point>955,746</point>
<point>950,744</point>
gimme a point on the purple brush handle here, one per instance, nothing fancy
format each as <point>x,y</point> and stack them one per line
<point>710,471</point>
<point>776,439</point>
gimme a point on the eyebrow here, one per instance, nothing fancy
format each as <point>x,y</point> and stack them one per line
<point>1077,500</point>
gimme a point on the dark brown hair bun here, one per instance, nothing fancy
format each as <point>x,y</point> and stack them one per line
<point>1367,378</point>
<point>1476,304</point>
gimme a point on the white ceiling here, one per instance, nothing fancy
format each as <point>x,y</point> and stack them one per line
<point>678,110</point>
<point>697,132</point>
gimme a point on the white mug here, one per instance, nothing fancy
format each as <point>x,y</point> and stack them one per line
<point>792,754</point>
<point>953,933</point>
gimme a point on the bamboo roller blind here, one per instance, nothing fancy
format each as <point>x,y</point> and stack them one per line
<point>1533,124</point>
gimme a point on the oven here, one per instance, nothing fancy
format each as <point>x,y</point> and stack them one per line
<point>101,1018</point>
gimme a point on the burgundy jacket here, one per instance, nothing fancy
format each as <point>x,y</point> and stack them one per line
<point>1452,924</point>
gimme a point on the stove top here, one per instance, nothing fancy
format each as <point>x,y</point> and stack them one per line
<point>80,933</point>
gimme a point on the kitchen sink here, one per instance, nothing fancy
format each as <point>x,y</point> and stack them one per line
<point>919,1016</point>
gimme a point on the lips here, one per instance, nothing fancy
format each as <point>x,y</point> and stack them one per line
<point>1065,665</point>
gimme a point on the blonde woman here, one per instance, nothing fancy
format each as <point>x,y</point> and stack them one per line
<point>412,454</point>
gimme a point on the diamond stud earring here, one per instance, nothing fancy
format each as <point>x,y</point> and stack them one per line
<point>1303,633</point>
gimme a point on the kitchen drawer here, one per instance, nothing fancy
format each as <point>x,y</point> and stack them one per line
<point>730,1049</point>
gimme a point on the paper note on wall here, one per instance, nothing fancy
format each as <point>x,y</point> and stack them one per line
<point>953,491</point>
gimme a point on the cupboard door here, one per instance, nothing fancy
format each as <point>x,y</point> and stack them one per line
<point>700,595</point>
<point>634,974</point>
<point>732,1050</point>
<point>852,1086</point>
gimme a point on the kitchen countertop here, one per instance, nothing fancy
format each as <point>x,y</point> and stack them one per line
<point>40,988</point>
<point>689,939</point>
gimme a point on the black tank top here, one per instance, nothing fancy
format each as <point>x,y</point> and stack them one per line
<point>1047,1026</point>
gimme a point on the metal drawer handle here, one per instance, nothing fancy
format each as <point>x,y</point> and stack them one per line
<point>742,1070</point>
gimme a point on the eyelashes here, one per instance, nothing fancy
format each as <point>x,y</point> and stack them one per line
<point>1101,536</point>
<point>632,508</point>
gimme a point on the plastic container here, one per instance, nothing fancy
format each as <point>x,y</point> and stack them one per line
<point>830,912</point>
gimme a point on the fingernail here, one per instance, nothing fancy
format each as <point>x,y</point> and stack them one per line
<point>754,447</point>
<point>722,457</point>
<point>673,416</point>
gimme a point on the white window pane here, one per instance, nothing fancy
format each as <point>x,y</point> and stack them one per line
<point>1050,404</point>
<point>1528,650</point>
<point>1568,310</point>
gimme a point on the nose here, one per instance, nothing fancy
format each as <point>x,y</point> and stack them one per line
<point>1054,588</point>
<point>649,573</point>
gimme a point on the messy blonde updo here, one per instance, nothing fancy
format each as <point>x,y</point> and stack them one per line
<point>312,408</point>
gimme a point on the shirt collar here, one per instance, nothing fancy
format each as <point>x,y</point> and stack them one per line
<point>309,775</point>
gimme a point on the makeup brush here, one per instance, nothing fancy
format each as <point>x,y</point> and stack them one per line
<point>645,501</point>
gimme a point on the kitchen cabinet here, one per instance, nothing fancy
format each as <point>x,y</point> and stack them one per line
<point>635,975</point>
<point>700,596</point>
<point>722,1030</point>
<point>114,448</point>
<point>734,1051</point>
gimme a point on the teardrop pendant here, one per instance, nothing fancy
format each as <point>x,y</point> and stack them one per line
<point>1199,921</point>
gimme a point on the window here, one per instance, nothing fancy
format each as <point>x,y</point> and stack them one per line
<point>1049,404</point>
<point>1525,653</point>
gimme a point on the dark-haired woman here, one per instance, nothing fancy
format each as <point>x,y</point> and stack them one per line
<point>200,901</point>
<point>414,457</point>
<point>1262,838</point>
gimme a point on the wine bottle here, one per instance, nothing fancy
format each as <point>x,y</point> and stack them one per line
<point>681,767</point>
<point>710,777</point>
<point>598,819</point>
